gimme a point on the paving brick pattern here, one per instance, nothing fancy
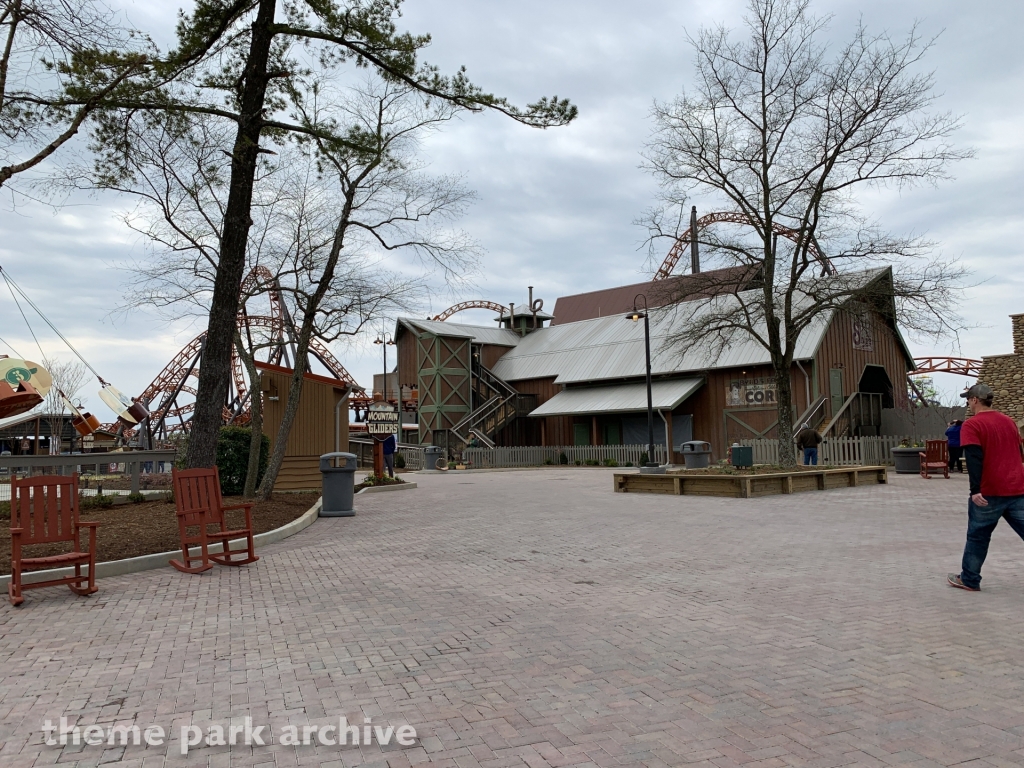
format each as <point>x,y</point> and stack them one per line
<point>538,619</point>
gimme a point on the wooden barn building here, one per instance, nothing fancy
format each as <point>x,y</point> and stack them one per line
<point>580,380</point>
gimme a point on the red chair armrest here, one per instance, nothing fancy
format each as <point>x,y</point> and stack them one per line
<point>238,506</point>
<point>180,512</point>
<point>88,523</point>
<point>17,531</point>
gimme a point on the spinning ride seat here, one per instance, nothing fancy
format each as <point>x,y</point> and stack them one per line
<point>15,401</point>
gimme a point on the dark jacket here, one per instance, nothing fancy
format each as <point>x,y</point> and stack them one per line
<point>808,438</point>
<point>390,445</point>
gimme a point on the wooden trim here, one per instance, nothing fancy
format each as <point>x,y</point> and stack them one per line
<point>309,376</point>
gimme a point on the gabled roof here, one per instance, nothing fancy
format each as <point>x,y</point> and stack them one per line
<point>481,334</point>
<point>612,347</point>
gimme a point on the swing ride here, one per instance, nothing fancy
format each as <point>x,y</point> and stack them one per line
<point>157,413</point>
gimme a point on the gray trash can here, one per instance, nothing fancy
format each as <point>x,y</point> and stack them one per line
<point>696,454</point>
<point>338,484</point>
<point>431,455</point>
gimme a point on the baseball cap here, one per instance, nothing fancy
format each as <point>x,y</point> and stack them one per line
<point>980,391</point>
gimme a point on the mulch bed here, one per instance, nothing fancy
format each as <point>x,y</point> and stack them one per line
<point>130,530</point>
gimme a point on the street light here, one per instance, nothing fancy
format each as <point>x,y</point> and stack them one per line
<point>636,315</point>
<point>385,340</point>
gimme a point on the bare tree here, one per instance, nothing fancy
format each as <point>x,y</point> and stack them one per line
<point>783,134</point>
<point>52,48</point>
<point>68,379</point>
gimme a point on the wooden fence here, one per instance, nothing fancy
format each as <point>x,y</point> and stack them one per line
<point>835,451</point>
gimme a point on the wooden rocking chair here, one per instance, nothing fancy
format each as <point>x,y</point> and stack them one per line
<point>199,505</point>
<point>935,456</point>
<point>44,510</point>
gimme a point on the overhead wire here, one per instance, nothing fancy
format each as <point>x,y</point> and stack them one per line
<point>10,282</point>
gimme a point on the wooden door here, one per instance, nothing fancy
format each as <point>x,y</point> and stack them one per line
<point>835,389</point>
<point>581,434</point>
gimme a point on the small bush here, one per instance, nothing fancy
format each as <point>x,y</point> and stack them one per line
<point>136,498</point>
<point>233,458</point>
<point>578,463</point>
<point>5,510</point>
<point>592,463</point>
<point>629,463</point>
<point>95,502</point>
<point>399,461</point>
<point>611,462</point>
<point>563,459</point>
<point>644,458</point>
<point>548,461</point>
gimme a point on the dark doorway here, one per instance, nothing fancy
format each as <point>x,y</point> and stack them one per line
<point>876,380</point>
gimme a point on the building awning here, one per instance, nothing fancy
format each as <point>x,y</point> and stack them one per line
<point>619,398</point>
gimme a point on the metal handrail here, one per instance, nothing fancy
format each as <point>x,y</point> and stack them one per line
<point>839,413</point>
<point>813,408</point>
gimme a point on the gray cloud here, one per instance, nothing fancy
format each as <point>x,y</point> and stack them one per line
<point>555,207</point>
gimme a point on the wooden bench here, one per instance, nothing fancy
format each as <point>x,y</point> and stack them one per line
<point>935,456</point>
<point>199,505</point>
<point>44,510</point>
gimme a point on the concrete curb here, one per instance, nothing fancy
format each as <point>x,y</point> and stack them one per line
<point>160,559</point>
<point>406,486</point>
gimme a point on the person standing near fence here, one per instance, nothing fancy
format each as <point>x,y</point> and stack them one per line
<point>808,440</point>
<point>390,446</point>
<point>995,467</point>
<point>953,443</point>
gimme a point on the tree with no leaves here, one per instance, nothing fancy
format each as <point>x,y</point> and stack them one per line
<point>247,62</point>
<point>68,380</point>
<point>783,133</point>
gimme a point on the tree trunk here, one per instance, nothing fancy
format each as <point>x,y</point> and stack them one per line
<point>256,421</point>
<point>784,393</point>
<point>215,372</point>
<point>291,408</point>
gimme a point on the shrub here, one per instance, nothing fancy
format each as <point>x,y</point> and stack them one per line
<point>592,463</point>
<point>5,510</point>
<point>548,461</point>
<point>233,458</point>
<point>644,458</point>
<point>610,462</point>
<point>136,498</point>
<point>629,463</point>
<point>563,459</point>
<point>399,461</point>
<point>95,502</point>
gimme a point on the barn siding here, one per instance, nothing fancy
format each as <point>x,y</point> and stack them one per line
<point>312,433</point>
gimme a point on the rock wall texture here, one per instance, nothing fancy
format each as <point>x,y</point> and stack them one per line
<point>1005,374</point>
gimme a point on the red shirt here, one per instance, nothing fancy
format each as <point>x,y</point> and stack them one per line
<point>1002,472</point>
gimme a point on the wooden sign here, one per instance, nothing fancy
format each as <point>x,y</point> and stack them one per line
<point>382,420</point>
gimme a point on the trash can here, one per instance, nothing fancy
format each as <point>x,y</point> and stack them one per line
<point>338,484</point>
<point>696,454</point>
<point>742,456</point>
<point>432,454</point>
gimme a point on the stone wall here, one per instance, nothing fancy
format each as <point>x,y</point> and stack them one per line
<point>1005,374</point>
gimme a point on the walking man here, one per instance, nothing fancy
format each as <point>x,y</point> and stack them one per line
<point>808,440</point>
<point>992,447</point>
<point>390,446</point>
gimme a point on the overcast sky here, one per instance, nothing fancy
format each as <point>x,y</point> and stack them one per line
<point>555,208</point>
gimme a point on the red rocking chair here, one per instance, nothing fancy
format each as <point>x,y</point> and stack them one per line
<point>44,510</point>
<point>199,505</point>
<point>934,457</point>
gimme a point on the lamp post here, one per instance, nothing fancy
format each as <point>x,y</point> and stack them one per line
<point>385,340</point>
<point>636,315</point>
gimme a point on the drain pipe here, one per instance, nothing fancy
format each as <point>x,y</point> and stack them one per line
<point>668,441</point>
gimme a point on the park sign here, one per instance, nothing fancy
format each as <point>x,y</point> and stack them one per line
<point>382,420</point>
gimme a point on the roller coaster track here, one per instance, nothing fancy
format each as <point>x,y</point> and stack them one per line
<point>682,244</point>
<point>474,304</point>
<point>278,329</point>
<point>964,366</point>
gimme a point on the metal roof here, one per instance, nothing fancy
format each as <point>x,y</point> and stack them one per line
<point>619,398</point>
<point>481,334</point>
<point>613,348</point>
<point>619,300</point>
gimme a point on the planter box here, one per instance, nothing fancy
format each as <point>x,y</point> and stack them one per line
<point>751,486</point>
<point>907,460</point>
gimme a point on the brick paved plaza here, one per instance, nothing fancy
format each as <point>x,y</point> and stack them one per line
<point>536,618</point>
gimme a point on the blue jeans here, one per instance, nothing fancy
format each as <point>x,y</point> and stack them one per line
<point>811,456</point>
<point>981,521</point>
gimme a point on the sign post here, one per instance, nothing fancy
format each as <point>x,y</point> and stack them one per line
<point>382,421</point>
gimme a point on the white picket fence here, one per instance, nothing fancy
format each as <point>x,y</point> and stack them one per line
<point>835,451</point>
<point>575,455</point>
